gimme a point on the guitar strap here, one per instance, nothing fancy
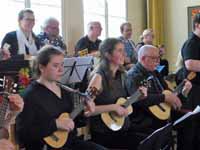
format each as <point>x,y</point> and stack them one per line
<point>123,80</point>
<point>158,86</point>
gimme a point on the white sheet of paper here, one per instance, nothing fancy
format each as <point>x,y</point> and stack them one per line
<point>195,111</point>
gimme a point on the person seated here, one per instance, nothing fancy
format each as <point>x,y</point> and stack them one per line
<point>16,105</point>
<point>50,34</point>
<point>163,62</point>
<point>131,54</point>
<point>45,101</point>
<point>147,37</point>
<point>142,120</point>
<point>23,41</point>
<point>109,80</point>
<point>90,42</point>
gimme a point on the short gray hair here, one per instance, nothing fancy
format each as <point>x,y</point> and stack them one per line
<point>144,51</point>
<point>91,24</point>
<point>47,21</point>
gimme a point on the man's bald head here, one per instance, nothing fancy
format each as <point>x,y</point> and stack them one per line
<point>149,57</point>
<point>147,50</point>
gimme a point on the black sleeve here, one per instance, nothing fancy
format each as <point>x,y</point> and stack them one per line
<point>190,51</point>
<point>81,44</point>
<point>10,39</point>
<point>32,123</point>
<point>133,83</point>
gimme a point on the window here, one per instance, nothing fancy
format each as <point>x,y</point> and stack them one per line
<point>111,14</point>
<point>9,16</point>
<point>42,9</point>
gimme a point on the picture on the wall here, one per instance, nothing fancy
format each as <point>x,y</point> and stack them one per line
<point>191,13</point>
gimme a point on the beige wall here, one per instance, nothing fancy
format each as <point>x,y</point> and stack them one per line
<point>137,16</point>
<point>73,20</point>
<point>175,26</point>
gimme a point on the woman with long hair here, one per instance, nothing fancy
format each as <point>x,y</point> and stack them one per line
<point>108,79</point>
<point>44,102</point>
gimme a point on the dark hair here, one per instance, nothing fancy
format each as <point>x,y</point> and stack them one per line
<point>22,12</point>
<point>106,48</point>
<point>124,24</point>
<point>196,20</point>
<point>43,58</point>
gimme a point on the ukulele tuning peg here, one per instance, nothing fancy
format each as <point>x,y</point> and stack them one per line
<point>15,85</point>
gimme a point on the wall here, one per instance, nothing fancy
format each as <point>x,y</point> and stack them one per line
<point>175,26</point>
<point>73,20</point>
<point>137,16</point>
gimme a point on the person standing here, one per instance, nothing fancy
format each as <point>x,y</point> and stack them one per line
<point>188,133</point>
<point>129,45</point>
<point>23,41</point>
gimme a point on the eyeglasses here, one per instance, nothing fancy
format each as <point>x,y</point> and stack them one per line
<point>154,58</point>
<point>29,19</point>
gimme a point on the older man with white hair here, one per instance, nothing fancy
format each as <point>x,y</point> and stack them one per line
<point>141,119</point>
<point>50,34</point>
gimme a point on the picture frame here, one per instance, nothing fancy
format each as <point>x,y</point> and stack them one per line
<point>192,10</point>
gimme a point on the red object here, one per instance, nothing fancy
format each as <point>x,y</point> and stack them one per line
<point>1,98</point>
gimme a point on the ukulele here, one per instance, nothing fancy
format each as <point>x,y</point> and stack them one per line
<point>116,122</point>
<point>162,111</point>
<point>7,85</point>
<point>59,137</point>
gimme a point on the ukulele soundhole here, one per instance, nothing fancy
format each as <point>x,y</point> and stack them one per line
<point>112,116</point>
<point>163,109</point>
<point>54,137</point>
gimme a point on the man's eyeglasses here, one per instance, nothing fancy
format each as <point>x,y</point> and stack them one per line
<point>154,58</point>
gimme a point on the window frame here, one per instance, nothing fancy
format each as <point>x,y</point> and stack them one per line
<point>107,16</point>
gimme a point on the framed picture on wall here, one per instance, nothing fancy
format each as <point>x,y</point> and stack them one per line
<point>191,13</point>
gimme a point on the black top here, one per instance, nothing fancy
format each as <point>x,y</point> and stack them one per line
<point>164,72</point>
<point>111,91</point>
<point>37,120</point>
<point>11,38</point>
<point>141,118</point>
<point>85,42</point>
<point>139,45</point>
<point>191,50</point>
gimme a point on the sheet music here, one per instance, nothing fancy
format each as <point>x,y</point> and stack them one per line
<point>195,111</point>
<point>75,69</point>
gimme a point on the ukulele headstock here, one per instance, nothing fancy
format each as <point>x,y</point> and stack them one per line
<point>146,83</point>
<point>8,85</point>
<point>191,75</point>
<point>92,92</point>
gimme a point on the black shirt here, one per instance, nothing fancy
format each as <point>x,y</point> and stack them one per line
<point>164,72</point>
<point>191,50</point>
<point>85,42</point>
<point>37,120</point>
<point>141,118</point>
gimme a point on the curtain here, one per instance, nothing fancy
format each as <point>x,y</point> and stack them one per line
<point>155,19</point>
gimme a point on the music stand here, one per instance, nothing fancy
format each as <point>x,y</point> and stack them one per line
<point>159,140</point>
<point>75,69</point>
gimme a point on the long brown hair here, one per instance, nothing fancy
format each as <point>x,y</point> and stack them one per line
<point>106,48</point>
